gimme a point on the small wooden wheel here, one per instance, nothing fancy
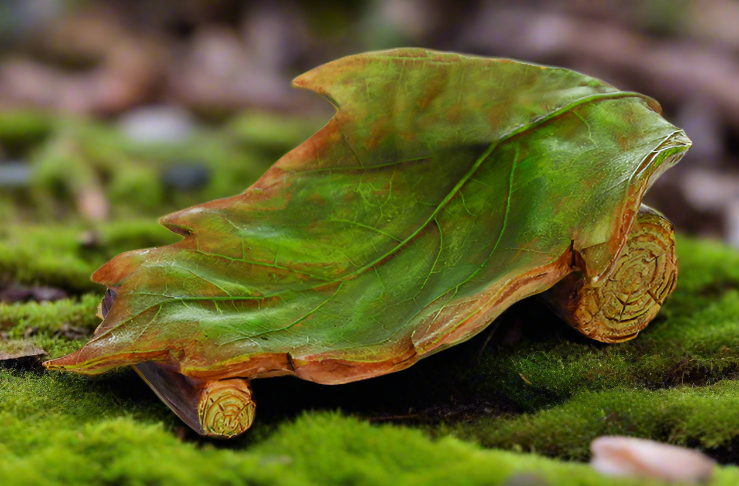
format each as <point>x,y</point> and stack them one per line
<point>226,408</point>
<point>622,304</point>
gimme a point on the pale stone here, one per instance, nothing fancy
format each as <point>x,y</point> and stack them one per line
<point>157,124</point>
<point>640,458</point>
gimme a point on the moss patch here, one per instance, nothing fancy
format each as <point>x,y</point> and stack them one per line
<point>698,417</point>
<point>324,449</point>
<point>58,328</point>
<point>66,256</point>
<point>16,319</point>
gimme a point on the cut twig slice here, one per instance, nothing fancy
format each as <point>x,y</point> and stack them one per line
<point>618,307</point>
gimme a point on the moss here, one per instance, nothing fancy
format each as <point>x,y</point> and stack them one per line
<point>50,316</point>
<point>272,132</point>
<point>20,129</point>
<point>58,328</point>
<point>51,421</point>
<point>701,417</point>
<point>139,183</point>
<point>65,256</point>
<point>316,449</point>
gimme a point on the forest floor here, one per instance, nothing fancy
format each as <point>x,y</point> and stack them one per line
<point>85,173</point>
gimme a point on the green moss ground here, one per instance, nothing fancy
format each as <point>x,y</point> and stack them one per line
<point>65,256</point>
<point>469,415</point>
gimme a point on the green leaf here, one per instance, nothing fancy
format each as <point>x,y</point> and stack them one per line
<point>444,189</point>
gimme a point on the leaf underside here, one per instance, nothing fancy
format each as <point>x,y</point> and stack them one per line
<point>444,189</point>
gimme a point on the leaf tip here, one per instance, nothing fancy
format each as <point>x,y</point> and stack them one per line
<point>311,81</point>
<point>65,363</point>
<point>174,223</point>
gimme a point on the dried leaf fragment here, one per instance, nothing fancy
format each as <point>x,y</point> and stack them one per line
<point>19,349</point>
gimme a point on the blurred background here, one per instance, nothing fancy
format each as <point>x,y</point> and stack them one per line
<point>118,111</point>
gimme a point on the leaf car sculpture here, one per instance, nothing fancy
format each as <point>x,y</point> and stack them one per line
<point>444,189</point>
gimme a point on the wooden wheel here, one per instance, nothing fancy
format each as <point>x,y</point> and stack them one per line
<point>620,306</point>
